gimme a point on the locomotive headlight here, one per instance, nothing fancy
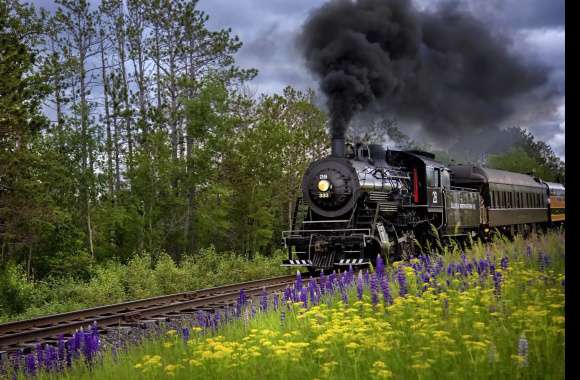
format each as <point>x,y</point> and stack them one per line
<point>323,185</point>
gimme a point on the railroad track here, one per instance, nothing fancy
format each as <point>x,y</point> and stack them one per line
<point>28,333</point>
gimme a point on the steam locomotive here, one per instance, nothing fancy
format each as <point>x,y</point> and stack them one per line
<point>363,200</point>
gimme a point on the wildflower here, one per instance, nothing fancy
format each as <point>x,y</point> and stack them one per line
<point>30,364</point>
<point>359,286</point>
<point>185,333</point>
<point>401,278</point>
<point>367,280</point>
<point>312,291</point>
<point>497,282</point>
<point>241,302</point>
<point>504,262</point>
<point>529,250</point>
<point>523,350</point>
<point>276,301</point>
<point>386,291</point>
<point>263,300</point>
<point>298,284</point>
<point>373,286</point>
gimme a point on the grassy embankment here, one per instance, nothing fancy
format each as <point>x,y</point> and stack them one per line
<point>492,314</point>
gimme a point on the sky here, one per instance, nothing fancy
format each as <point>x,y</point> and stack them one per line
<point>268,29</point>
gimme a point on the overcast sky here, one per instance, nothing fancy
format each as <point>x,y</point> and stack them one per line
<point>268,29</point>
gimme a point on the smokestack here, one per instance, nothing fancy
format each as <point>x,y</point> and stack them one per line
<point>337,146</point>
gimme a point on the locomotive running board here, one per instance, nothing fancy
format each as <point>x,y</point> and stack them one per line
<point>341,262</point>
<point>296,263</point>
<point>353,262</point>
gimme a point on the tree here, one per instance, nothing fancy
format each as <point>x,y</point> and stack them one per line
<point>22,89</point>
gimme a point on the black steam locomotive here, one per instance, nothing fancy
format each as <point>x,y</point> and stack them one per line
<point>362,201</point>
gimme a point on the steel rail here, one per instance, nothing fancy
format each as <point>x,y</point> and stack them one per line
<point>22,333</point>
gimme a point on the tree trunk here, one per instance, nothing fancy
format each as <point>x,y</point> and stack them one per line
<point>109,147</point>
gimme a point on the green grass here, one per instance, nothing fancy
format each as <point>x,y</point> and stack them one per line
<point>478,335</point>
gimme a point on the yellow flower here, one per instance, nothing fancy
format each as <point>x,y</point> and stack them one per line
<point>138,365</point>
<point>171,333</point>
<point>353,345</point>
<point>167,344</point>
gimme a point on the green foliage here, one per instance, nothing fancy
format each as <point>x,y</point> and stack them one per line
<point>16,292</point>
<point>518,160</point>
<point>145,275</point>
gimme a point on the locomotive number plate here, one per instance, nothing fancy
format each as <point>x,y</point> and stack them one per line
<point>324,195</point>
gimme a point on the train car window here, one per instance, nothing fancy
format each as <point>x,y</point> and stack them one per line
<point>528,204</point>
<point>433,177</point>
<point>445,179</point>
<point>437,177</point>
<point>492,199</point>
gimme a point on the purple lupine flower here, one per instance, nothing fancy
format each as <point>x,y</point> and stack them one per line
<point>276,301</point>
<point>529,251</point>
<point>77,340</point>
<point>402,279</point>
<point>298,284</point>
<point>185,334</point>
<point>61,349</point>
<point>52,362</point>
<point>450,269</point>
<point>217,317</point>
<point>350,273</point>
<point>373,286</point>
<point>88,346</point>
<point>330,283</point>
<point>380,269</point>
<point>69,352</point>
<point>367,278</point>
<point>523,349</point>
<point>30,365</point>
<point>359,286</point>
<point>312,290</point>
<point>264,300</point>
<point>343,293</point>
<point>504,262</point>
<point>39,355</point>
<point>386,291</point>
<point>241,302</point>
<point>497,282</point>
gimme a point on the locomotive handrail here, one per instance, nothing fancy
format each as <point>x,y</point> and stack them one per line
<point>463,189</point>
<point>330,230</point>
<point>326,221</point>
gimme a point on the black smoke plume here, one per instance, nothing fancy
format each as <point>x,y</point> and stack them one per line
<point>440,68</point>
